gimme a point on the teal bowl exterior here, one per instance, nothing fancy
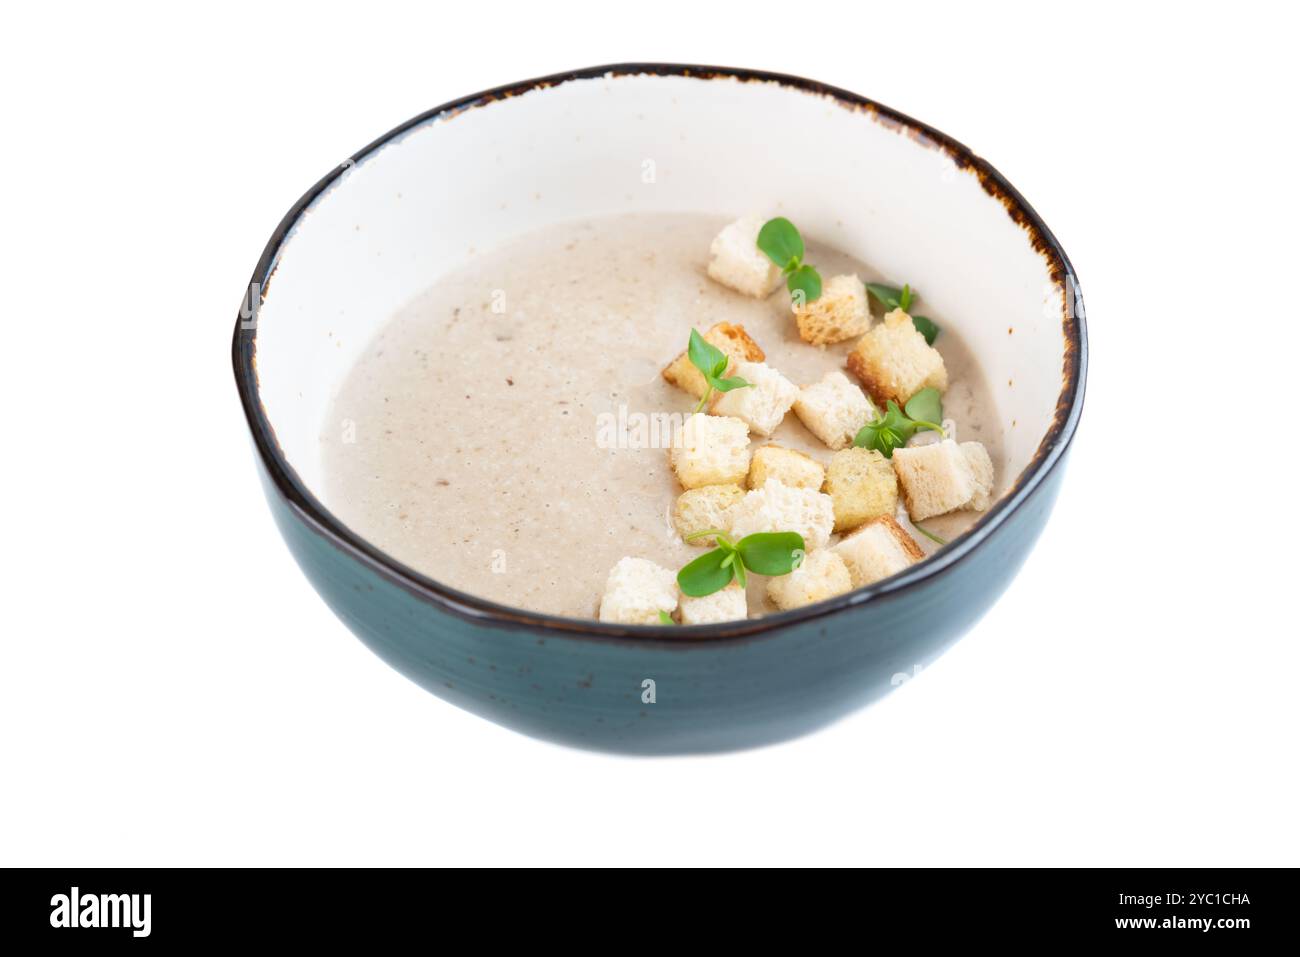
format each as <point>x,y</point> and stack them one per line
<point>708,695</point>
<point>654,690</point>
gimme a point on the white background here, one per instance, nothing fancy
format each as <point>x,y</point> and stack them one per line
<point>172,691</point>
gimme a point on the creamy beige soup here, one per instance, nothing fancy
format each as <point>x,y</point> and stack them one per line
<point>477,437</point>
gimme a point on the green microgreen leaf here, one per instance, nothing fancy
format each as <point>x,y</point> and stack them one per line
<point>703,533</point>
<point>927,328</point>
<point>925,406</point>
<point>894,298</point>
<point>768,553</point>
<point>726,385</point>
<point>665,618</point>
<point>804,282</point>
<point>705,356</point>
<point>771,553</point>
<point>707,574</point>
<point>781,243</point>
<point>888,295</point>
<point>712,363</point>
<point>892,430</point>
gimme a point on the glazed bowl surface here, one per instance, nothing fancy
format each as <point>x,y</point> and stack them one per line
<point>382,226</point>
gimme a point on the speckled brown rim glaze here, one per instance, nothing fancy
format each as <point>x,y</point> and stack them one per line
<point>474,609</point>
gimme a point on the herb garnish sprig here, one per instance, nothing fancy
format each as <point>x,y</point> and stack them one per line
<point>780,242</point>
<point>902,299</point>
<point>712,363</point>
<point>766,553</point>
<point>896,427</point>
<point>930,535</point>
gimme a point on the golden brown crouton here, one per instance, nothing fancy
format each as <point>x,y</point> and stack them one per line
<point>702,508</point>
<point>862,486</point>
<point>839,313</point>
<point>894,362</point>
<point>786,466</point>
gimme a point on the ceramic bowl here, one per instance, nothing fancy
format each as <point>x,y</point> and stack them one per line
<point>378,229</point>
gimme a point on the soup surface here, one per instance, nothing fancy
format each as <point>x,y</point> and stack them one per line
<point>492,435</point>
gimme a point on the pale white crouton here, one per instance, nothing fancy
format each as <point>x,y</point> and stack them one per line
<point>822,575</point>
<point>786,466</point>
<point>763,403</point>
<point>710,450</point>
<point>944,477</point>
<point>727,604</point>
<point>877,550</point>
<point>736,261</point>
<point>862,486</point>
<point>636,591</point>
<point>894,362</point>
<point>839,313</point>
<point>779,508</point>
<point>732,339</point>
<point>705,507</point>
<point>977,457</point>
<point>834,409</point>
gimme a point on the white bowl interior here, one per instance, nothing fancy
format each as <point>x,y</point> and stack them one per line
<point>392,223</point>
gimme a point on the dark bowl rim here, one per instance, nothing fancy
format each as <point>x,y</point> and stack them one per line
<point>482,611</point>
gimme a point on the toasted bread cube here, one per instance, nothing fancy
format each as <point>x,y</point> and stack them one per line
<point>822,575</point>
<point>736,261</point>
<point>731,339</point>
<point>779,508</point>
<point>839,313</point>
<point>894,362</point>
<point>636,591</point>
<point>763,403</point>
<point>862,486</point>
<point>710,450</point>
<point>786,466</point>
<point>943,477</point>
<point>877,550</point>
<point>728,604</point>
<point>834,409</point>
<point>705,507</point>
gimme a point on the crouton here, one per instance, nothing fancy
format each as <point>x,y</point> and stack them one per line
<point>727,604</point>
<point>731,339</point>
<point>833,409</point>
<point>763,403</point>
<point>943,477</point>
<point>710,450</point>
<point>736,261</point>
<point>822,575</point>
<point>839,313</point>
<point>786,466</point>
<point>877,550</point>
<point>701,508</point>
<point>862,486</point>
<point>636,591</point>
<point>779,508</point>
<point>894,362</point>
<point>977,457</point>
